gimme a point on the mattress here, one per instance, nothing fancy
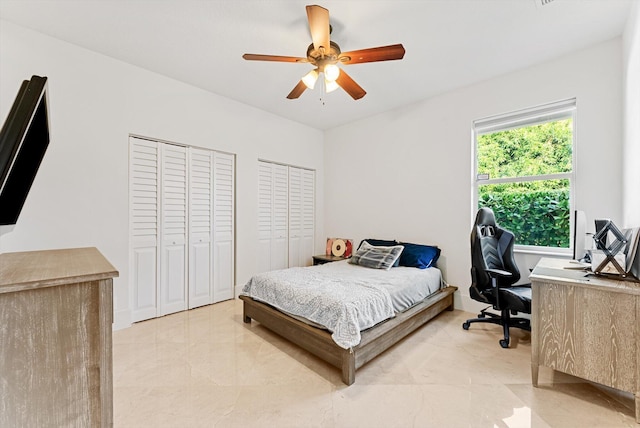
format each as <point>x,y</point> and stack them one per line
<point>344,298</point>
<point>406,285</point>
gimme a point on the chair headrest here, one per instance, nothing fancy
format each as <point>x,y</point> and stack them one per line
<point>485,217</point>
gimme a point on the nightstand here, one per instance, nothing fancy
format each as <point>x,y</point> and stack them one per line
<point>322,259</point>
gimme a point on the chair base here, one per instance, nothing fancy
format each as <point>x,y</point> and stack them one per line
<point>504,319</point>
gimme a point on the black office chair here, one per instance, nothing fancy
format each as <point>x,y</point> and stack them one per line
<point>493,273</point>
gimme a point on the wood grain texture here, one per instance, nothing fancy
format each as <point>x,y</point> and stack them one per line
<point>535,329</point>
<point>48,268</point>
<point>56,352</point>
<point>374,341</point>
<point>586,327</point>
<point>637,389</point>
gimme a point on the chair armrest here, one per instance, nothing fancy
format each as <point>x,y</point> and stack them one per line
<point>494,273</point>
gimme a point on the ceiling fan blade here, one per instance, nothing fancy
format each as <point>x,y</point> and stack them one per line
<point>257,57</point>
<point>350,86</point>
<point>297,91</point>
<point>319,26</point>
<point>381,53</point>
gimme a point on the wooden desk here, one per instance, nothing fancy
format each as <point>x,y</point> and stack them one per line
<point>586,326</point>
<point>55,339</point>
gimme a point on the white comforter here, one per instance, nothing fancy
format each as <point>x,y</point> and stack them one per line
<point>342,297</point>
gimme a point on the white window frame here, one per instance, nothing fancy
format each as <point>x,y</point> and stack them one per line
<point>527,117</point>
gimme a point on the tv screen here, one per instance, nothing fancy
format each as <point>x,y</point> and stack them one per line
<point>24,138</point>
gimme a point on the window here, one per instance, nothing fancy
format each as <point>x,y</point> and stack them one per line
<point>524,172</point>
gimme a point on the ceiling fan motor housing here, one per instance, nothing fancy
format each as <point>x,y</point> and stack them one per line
<point>321,57</point>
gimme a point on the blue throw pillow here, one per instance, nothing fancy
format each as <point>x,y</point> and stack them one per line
<point>419,256</point>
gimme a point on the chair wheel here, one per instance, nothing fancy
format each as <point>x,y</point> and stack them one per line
<point>504,343</point>
<point>465,325</point>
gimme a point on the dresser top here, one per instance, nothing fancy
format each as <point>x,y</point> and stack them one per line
<point>49,268</point>
<point>567,271</point>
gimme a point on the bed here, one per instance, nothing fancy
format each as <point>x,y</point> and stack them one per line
<point>347,313</point>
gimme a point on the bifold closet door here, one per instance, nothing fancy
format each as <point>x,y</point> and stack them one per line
<point>265,214</point>
<point>182,227</point>
<point>158,198</point>
<point>308,222</point>
<point>295,217</point>
<point>144,200</point>
<point>301,216</point>
<point>280,230</point>
<point>173,215</point>
<point>200,227</point>
<point>273,216</point>
<point>223,226</point>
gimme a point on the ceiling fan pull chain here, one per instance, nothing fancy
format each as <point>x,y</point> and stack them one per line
<point>323,92</point>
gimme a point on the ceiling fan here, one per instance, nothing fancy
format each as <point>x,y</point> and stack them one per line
<point>325,55</point>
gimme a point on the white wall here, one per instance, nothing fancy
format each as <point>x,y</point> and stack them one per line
<point>80,195</point>
<point>406,174</point>
<point>631,148</point>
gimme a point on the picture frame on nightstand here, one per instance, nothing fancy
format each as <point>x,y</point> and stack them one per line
<point>339,247</point>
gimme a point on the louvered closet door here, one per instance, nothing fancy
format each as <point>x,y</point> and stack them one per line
<point>308,226</point>
<point>273,216</point>
<point>295,217</point>
<point>200,253</point>
<point>223,209</point>
<point>144,206</point>
<point>280,219</point>
<point>265,214</point>
<point>301,216</point>
<point>173,253</point>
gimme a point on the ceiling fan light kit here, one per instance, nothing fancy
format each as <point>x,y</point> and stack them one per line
<point>330,85</point>
<point>310,79</point>
<point>325,55</point>
<point>331,72</point>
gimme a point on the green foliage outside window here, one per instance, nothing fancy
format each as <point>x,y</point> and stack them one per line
<point>536,211</point>
<point>536,217</point>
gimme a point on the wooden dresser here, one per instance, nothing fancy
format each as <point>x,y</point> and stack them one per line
<point>586,326</point>
<point>55,339</point>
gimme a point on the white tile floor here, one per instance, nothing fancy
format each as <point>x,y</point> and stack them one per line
<point>206,368</point>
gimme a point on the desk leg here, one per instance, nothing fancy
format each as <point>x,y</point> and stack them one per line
<point>535,346</point>
<point>638,407</point>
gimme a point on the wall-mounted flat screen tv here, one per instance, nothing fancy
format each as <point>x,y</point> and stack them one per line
<point>24,139</point>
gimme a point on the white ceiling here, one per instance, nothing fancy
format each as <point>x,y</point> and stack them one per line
<point>449,43</point>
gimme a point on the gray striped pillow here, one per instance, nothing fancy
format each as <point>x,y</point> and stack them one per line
<point>376,257</point>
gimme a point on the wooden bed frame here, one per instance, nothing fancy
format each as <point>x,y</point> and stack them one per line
<point>375,340</point>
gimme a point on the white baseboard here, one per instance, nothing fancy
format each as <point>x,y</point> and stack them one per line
<point>462,301</point>
<point>121,319</point>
